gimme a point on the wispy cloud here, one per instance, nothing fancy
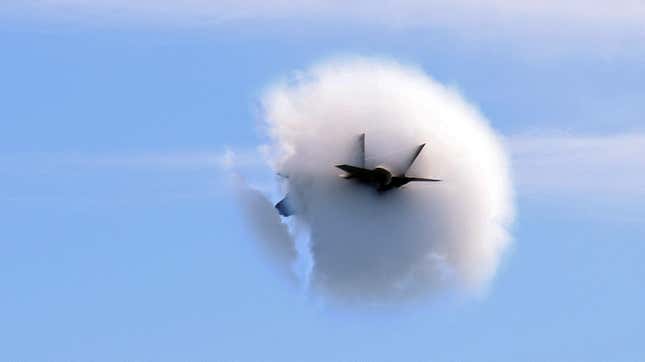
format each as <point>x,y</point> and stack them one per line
<point>594,12</point>
<point>208,159</point>
<point>593,19</point>
<point>593,166</point>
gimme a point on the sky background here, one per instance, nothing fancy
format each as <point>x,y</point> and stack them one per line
<point>120,240</point>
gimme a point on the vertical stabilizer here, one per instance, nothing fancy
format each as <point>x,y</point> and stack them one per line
<point>361,150</point>
<point>414,157</point>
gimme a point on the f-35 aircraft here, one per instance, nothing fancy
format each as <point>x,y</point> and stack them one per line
<point>379,177</point>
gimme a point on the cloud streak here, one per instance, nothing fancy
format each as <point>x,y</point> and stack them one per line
<point>598,166</point>
<point>594,19</point>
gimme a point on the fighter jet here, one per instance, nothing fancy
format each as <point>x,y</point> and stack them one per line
<point>381,178</point>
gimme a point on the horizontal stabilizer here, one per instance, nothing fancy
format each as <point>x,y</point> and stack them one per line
<point>398,181</point>
<point>422,179</point>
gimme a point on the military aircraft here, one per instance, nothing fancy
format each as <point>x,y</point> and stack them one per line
<point>381,178</point>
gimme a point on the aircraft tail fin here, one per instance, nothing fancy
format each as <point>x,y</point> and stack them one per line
<point>361,150</point>
<point>413,158</point>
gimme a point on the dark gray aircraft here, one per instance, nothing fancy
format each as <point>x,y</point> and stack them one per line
<point>379,177</point>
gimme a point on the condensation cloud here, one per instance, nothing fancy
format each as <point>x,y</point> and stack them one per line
<point>404,243</point>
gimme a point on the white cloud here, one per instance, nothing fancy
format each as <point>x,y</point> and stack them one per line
<point>390,246</point>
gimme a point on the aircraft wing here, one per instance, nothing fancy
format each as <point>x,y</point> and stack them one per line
<point>355,171</point>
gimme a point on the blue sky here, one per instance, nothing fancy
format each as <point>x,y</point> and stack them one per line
<point>120,240</point>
